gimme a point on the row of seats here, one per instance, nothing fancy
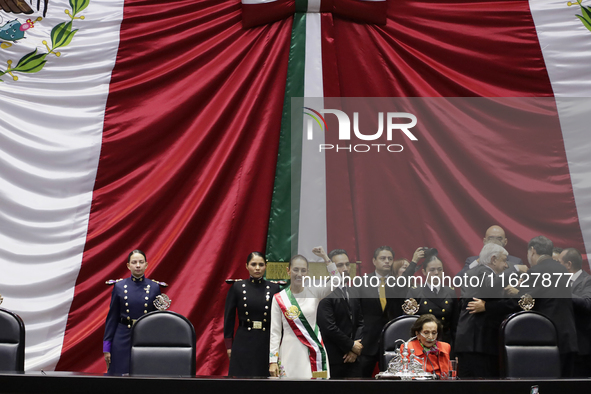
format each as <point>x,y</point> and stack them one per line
<point>528,344</point>
<point>12,342</point>
<point>162,343</point>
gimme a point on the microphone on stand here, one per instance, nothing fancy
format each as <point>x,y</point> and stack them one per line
<point>427,355</point>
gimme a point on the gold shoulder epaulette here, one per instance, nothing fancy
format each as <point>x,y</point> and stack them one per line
<point>230,281</point>
<point>113,281</point>
<point>163,284</point>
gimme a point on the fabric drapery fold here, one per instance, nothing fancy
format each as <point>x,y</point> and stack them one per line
<point>260,12</point>
<point>188,155</point>
<point>190,136</point>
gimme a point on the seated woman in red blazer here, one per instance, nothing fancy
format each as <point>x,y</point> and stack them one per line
<point>428,350</point>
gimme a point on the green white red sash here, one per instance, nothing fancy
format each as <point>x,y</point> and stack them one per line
<point>301,327</point>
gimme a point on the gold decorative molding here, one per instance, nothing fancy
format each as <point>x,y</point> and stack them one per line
<point>277,270</point>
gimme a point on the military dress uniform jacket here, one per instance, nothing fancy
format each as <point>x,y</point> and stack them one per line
<point>581,289</point>
<point>251,299</point>
<point>443,305</point>
<point>131,298</point>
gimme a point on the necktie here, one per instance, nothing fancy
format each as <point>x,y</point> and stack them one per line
<point>345,293</point>
<point>382,291</point>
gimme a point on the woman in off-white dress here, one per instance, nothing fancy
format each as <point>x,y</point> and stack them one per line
<point>289,358</point>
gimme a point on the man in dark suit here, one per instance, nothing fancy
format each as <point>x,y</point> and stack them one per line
<point>495,234</point>
<point>380,303</point>
<point>340,321</point>
<point>552,297</point>
<point>580,283</point>
<point>477,334</point>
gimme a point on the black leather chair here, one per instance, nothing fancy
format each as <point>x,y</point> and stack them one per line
<point>529,346</point>
<point>163,343</point>
<point>12,342</point>
<point>395,329</point>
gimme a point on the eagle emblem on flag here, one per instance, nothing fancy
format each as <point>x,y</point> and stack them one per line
<point>586,11</point>
<point>20,7</point>
<point>14,31</point>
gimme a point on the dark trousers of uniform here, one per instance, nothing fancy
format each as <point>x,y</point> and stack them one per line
<point>345,370</point>
<point>567,364</point>
<point>367,365</point>
<point>120,351</point>
<point>478,365</point>
<point>582,367</point>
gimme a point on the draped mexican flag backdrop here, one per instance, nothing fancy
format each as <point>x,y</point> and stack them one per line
<point>156,125</point>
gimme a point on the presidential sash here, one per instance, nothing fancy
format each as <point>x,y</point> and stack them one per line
<point>301,327</point>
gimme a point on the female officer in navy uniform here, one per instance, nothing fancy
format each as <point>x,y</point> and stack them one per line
<point>249,349</point>
<point>436,299</point>
<point>131,298</point>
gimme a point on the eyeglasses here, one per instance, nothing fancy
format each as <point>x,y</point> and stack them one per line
<point>429,333</point>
